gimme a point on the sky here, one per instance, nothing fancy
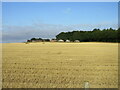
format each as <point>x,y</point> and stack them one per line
<point>24,20</point>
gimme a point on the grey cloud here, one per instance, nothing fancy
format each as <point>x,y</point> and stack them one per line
<point>22,33</point>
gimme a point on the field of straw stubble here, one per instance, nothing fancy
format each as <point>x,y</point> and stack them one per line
<point>60,65</point>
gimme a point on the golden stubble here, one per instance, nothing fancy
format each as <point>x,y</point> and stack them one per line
<point>60,65</point>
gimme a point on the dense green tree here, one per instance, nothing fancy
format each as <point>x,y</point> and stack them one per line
<point>105,35</point>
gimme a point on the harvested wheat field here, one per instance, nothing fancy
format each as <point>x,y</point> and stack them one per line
<point>60,65</point>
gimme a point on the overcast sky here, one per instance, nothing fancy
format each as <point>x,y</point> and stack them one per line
<point>24,20</point>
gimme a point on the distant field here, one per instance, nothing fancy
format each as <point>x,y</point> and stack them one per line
<point>60,65</point>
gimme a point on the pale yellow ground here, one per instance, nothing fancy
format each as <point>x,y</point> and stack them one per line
<point>60,65</point>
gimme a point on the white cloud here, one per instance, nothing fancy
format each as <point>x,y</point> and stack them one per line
<point>67,10</point>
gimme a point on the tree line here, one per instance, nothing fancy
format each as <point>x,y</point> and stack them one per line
<point>38,40</point>
<point>96,35</point>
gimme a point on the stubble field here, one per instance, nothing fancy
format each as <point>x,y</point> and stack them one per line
<point>60,65</point>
